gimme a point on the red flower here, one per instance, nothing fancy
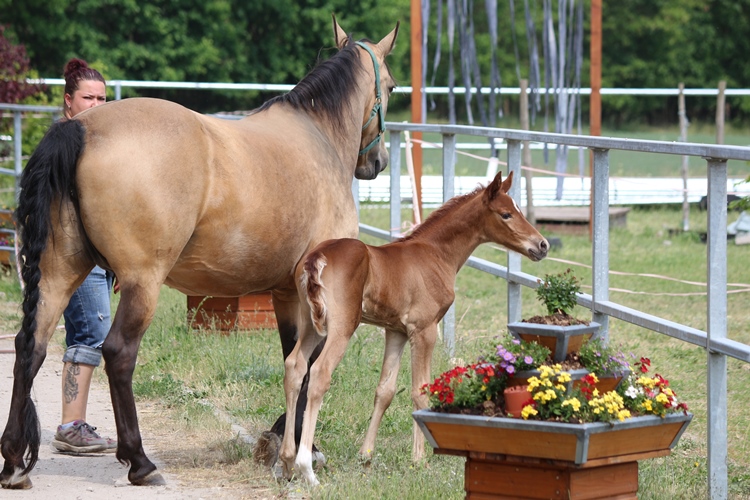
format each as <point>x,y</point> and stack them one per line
<point>644,364</point>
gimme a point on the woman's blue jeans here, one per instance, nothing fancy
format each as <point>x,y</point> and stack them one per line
<point>88,318</point>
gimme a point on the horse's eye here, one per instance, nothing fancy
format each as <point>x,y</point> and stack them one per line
<point>391,89</point>
<point>506,216</point>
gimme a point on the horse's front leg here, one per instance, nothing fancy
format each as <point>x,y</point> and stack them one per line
<point>120,349</point>
<point>422,344</point>
<point>394,348</point>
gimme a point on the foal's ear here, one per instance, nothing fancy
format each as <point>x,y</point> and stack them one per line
<point>385,46</point>
<point>507,182</point>
<point>339,35</point>
<point>498,184</point>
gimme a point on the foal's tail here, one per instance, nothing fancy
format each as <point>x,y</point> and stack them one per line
<point>314,291</point>
<point>49,176</point>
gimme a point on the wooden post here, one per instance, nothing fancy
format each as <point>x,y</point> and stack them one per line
<point>416,95</point>
<point>720,107</point>
<point>683,138</point>
<point>526,155</point>
<point>595,75</point>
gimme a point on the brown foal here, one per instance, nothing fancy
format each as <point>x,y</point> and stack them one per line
<point>405,287</point>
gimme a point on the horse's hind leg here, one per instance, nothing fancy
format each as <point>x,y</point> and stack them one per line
<point>295,372</point>
<point>394,348</point>
<point>120,349</point>
<point>44,302</point>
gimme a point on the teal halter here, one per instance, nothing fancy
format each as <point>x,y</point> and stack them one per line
<point>377,109</point>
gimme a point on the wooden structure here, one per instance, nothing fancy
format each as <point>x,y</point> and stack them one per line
<point>575,220</point>
<point>249,312</point>
<point>509,458</point>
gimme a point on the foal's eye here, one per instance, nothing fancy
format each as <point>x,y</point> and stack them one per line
<point>506,215</point>
<point>391,89</point>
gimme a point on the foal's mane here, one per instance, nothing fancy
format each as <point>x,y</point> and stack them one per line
<point>439,214</point>
<point>326,89</point>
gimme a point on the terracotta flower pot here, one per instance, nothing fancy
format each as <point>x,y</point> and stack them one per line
<point>515,399</point>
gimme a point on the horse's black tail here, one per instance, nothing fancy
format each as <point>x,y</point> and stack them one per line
<point>49,176</point>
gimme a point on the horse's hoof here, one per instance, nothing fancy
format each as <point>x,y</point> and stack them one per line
<point>266,449</point>
<point>319,460</point>
<point>16,481</point>
<point>153,478</point>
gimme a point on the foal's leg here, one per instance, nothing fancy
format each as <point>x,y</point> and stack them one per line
<point>295,371</point>
<point>394,348</point>
<point>292,317</point>
<point>120,349</point>
<point>320,382</point>
<point>422,344</point>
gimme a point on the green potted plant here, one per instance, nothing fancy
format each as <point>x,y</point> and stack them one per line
<point>559,330</point>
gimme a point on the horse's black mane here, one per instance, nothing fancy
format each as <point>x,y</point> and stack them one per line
<point>327,88</point>
<point>439,214</point>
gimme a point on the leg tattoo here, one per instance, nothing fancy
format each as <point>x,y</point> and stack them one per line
<point>71,384</point>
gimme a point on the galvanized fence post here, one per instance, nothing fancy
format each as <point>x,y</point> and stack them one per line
<point>717,328</point>
<point>514,259</point>
<point>449,175</point>
<point>395,165</point>
<point>600,247</point>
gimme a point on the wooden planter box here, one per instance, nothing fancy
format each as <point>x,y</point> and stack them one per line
<point>511,458</point>
<point>248,312</point>
<point>560,340</point>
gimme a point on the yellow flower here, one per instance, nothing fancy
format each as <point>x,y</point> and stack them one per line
<point>528,411</point>
<point>662,398</point>
<point>572,402</point>
<point>563,377</point>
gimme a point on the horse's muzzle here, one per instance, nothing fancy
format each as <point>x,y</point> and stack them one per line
<point>540,251</point>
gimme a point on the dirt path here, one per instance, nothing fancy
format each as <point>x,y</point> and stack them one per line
<point>98,476</point>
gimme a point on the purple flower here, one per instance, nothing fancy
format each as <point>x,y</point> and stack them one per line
<point>516,341</point>
<point>510,369</point>
<point>508,356</point>
<point>528,360</point>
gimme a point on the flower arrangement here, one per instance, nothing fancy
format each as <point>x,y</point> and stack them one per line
<point>641,395</point>
<point>478,388</point>
<point>515,355</point>
<point>602,359</point>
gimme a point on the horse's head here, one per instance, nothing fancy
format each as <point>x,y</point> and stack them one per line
<point>373,155</point>
<point>508,226</point>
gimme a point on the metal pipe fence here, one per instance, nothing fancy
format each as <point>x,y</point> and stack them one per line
<point>718,347</point>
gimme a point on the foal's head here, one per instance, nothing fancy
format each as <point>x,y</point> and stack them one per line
<point>506,225</point>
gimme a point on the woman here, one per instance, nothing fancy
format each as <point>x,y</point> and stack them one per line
<point>87,317</point>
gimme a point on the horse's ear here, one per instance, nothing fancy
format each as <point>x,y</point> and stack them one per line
<point>507,182</point>
<point>339,35</point>
<point>498,184</point>
<point>385,46</point>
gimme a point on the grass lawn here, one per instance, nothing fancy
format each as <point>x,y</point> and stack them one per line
<point>242,373</point>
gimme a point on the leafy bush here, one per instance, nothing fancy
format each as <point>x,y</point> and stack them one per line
<point>558,292</point>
